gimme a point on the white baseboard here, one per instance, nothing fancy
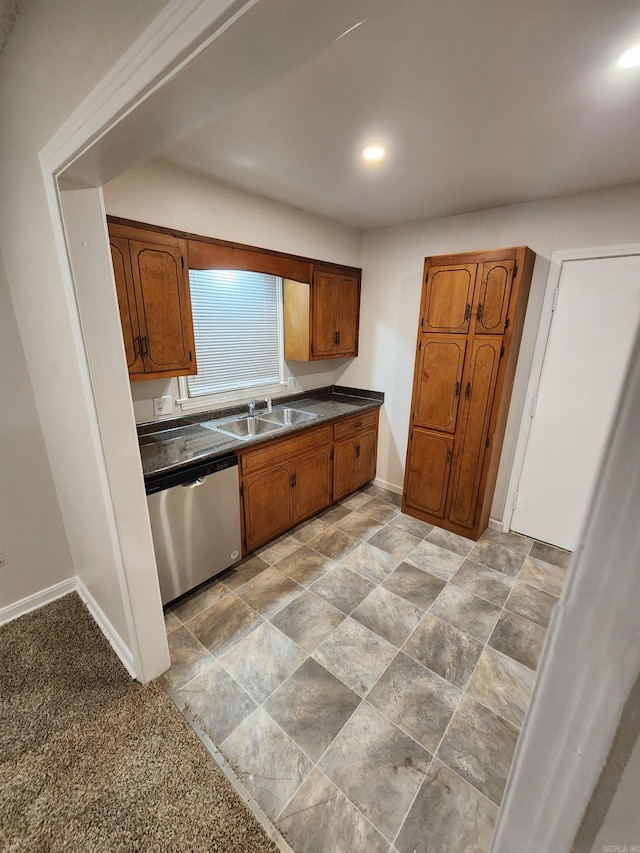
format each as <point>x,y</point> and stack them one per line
<point>390,487</point>
<point>38,599</point>
<point>115,640</point>
<point>46,596</point>
<point>494,524</point>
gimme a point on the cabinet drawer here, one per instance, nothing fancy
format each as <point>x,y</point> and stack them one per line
<point>350,426</point>
<point>279,449</point>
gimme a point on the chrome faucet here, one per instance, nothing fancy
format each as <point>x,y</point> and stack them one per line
<point>267,401</point>
<point>252,407</point>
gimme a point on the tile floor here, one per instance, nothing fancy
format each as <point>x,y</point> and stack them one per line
<point>367,675</point>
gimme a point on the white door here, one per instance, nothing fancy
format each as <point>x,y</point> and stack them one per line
<point>594,324</point>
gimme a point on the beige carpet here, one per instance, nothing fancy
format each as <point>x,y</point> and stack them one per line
<point>92,761</point>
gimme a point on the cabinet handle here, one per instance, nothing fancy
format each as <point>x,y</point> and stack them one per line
<point>358,425</point>
<point>456,389</point>
<point>144,346</point>
<point>138,346</point>
<point>479,312</point>
<point>357,450</point>
<point>467,393</point>
<point>336,338</point>
<point>467,311</point>
<point>448,459</point>
<point>292,481</point>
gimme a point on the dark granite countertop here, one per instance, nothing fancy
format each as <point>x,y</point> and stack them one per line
<point>177,443</point>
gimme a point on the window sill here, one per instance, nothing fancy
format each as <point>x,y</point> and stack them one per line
<point>224,398</point>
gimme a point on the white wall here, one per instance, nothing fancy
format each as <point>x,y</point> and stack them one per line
<point>393,260</point>
<point>56,54</point>
<point>32,534</point>
<point>161,194</point>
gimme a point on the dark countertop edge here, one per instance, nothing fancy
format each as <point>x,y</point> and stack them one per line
<point>326,392</point>
<point>367,399</point>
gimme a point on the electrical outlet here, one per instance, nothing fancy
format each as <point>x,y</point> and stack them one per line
<point>1,559</point>
<point>162,406</point>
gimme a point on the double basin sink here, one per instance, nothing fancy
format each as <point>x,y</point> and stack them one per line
<point>245,427</point>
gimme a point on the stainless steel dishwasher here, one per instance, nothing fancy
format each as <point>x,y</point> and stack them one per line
<point>195,521</point>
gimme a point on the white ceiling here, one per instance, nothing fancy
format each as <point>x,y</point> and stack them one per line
<point>479,103</point>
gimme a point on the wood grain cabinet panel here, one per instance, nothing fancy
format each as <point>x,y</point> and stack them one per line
<point>480,384</point>
<point>354,462</point>
<point>125,291</point>
<point>448,298</point>
<point>321,319</point>
<point>313,480</point>
<point>471,318</point>
<point>152,284</point>
<point>428,464</point>
<point>267,510</point>
<point>437,381</point>
<point>494,289</point>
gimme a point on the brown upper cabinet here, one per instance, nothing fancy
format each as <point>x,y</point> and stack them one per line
<point>471,318</point>
<point>152,285</point>
<point>321,318</point>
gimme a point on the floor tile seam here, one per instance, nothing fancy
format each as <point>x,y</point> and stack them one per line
<point>541,589</point>
<point>395,725</point>
<point>458,586</point>
<point>448,625</point>
<point>225,767</point>
<point>506,547</point>
<point>195,715</point>
<point>347,798</point>
<point>168,607</point>
<point>228,671</point>
<point>411,804</point>
<point>215,656</point>
<point>275,613</point>
<point>540,624</point>
<point>531,541</point>
<point>482,642</point>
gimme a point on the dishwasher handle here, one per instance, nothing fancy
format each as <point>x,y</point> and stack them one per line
<point>194,483</point>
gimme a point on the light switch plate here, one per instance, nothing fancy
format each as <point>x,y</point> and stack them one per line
<point>162,406</point>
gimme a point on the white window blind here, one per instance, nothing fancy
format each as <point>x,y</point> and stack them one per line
<point>238,330</point>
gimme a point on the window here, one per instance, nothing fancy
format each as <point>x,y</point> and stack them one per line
<point>237,321</point>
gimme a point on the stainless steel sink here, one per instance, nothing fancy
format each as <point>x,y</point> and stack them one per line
<point>241,426</point>
<point>287,417</point>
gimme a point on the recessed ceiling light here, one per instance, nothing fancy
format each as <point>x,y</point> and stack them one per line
<point>373,152</point>
<point>630,58</point>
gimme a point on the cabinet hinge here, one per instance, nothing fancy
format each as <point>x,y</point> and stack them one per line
<point>467,311</point>
<point>475,519</point>
<point>534,403</point>
<point>411,437</point>
<point>419,346</point>
<point>506,324</point>
<point>555,298</point>
<point>331,453</point>
<point>190,356</point>
<point>241,490</point>
<point>426,278</point>
<point>501,350</point>
<point>486,444</point>
<point>515,500</point>
<point>448,459</point>
<point>422,322</point>
<point>515,270</point>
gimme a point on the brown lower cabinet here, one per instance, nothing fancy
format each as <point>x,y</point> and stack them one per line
<point>287,480</point>
<point>471,318</point>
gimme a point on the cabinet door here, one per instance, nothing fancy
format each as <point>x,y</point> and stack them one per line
<point>347,306</point>
<point>344,470</point>
<point>267,506</point>
<point>448,298</point>
<point>366,458</point>
<point>312,491</point>
<point>127,303</point>
<point>480,381</point>
<point>437,381</point>
<point>324,312</point>
<point>428,467</point>
<point>493,292</point>
<point>162,291</point>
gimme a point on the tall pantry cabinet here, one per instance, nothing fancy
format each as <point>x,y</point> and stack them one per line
<point>471,318</point>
